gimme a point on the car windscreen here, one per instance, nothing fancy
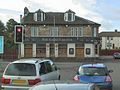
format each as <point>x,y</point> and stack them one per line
<point>95,71</point>
<point>21,69</point>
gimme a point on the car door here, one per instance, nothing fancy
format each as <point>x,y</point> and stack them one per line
<point>43,72</point>
<point>55,71</point>
<point>50,72</point>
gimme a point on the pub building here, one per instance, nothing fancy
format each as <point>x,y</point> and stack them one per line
<point>58,35</point>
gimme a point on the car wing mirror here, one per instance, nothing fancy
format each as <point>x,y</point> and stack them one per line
<point>77,73</point>
<point>57,68</point>
<point>110,71</point>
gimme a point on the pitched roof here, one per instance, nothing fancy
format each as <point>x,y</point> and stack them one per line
<point>59,19</point>
<point>109,34</point>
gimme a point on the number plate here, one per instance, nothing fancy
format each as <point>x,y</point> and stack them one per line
<point>19,82</point>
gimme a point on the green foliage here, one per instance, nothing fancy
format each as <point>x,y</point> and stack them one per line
<point>10,25</point>
<point>9,33</point>
<point>2,28</point>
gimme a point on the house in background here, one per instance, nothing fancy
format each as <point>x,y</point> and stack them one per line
<point>59,34</point>
<point>110,42</point>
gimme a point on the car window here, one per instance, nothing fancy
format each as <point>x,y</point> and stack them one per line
<point>21,69</point>
<point>54,67</point>
<point>48,66</point>
<point>93,71</point>
<point>43,69</point>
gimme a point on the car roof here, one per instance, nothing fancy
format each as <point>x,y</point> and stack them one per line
<point>62,85</point>
<point>62,81</point>
<point>30,60</point>
<point>97,65</point>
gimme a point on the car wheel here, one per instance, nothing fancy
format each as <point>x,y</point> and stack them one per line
<point>59,77</point>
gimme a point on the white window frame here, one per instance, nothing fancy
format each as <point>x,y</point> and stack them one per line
<point>34,32</point>
<point>54,32</point>
<point>72,17</point>
<point>76,31</point>
<point>42,17</point>
<point>35,16</point>
<point>95,31</point>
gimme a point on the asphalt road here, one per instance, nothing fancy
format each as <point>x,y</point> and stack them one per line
<point>68,71</point>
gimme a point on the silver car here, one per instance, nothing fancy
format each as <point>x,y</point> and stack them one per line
<point>24,73</point>
<point>64,85</point>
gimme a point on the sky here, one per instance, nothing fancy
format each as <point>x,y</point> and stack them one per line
<point>104,12</point>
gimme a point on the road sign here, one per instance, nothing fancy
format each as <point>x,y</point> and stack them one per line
<point>1,44</point>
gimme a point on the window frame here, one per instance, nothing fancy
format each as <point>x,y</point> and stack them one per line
<point>54,32</point>
<point>34,32</point>
<point>76,31</point>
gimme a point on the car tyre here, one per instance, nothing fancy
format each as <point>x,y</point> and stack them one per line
<point>59,77</point>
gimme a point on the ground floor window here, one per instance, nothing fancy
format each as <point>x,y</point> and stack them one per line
<point>88,50</point>
<point>71,51</point>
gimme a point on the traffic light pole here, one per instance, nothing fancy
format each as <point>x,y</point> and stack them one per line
<point>18,37</point>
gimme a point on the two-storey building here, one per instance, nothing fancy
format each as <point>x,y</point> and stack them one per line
<point>110,40</point>
<point>59,34</point>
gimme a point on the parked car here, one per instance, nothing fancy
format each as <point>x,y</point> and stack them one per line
<point>116,55</point>
<point>64,85</point>
<point>95,73</point>
<point>24,73</point>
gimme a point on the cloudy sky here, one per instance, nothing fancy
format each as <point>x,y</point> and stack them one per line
<point>104,12</point>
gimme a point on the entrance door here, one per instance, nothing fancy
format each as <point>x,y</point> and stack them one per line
<point>28,50</point>
<point>80,53</point>
<point>52,50</point>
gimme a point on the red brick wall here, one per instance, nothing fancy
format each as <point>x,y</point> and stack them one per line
<point>10,53</point>
<point>108,52</point>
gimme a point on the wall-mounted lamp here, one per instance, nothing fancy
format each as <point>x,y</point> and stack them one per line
<point>66,25</point>
<point>44,25</point>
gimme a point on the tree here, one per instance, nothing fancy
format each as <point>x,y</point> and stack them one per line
<point>2,28</point>
<point>9,38</point>
<point>10,25</point>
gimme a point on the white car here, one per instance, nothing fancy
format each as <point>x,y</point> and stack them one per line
<point>64,85</point>
<point>24,73</point>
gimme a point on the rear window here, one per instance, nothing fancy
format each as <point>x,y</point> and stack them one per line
<point>21,69</point>
<point>96,71</point>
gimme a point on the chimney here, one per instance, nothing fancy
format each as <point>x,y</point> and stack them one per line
<point>115,30</point>
<point>20,18</point>
<point>26,11</point>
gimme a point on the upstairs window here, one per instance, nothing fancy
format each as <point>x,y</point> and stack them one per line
<point>34,32</point>
<point>54,31</point>
<point>95,31</point>
<point>39,15</point>
<point>77,31</point>
<point>69,16</point>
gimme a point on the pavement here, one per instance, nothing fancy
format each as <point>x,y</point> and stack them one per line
<point>73,59</point>
<point>106,57</point>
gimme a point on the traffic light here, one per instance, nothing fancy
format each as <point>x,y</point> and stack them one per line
<point>18,36</point>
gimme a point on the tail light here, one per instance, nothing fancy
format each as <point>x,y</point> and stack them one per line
<point>76,78</point>
<point>108,79</point>
<point>5,80</point>
<point>33,82</point>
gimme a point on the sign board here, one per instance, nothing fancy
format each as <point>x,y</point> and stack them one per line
<point>1,44</point>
